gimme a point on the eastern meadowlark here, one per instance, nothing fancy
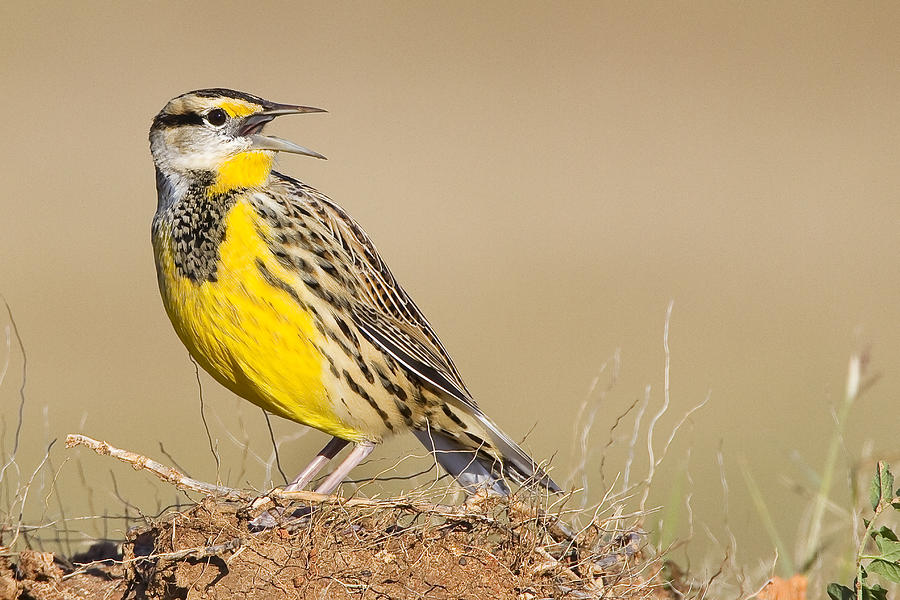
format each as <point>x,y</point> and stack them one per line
<point>281,296</point>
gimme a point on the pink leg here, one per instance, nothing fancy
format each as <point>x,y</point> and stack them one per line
<point>324,455</point>
<point>360,451</point>
<point>270,518</point>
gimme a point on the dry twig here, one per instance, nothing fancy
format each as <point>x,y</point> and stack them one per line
<point>178,479</point>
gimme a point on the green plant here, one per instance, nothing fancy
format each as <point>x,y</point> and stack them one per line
<point>885,564</point>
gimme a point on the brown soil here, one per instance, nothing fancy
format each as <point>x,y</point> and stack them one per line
<point>496,549</point>
<point>40,576</point>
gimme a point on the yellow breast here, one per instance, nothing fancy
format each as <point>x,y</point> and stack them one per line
<point>252,337</point>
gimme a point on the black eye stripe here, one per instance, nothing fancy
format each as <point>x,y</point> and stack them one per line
<point>172,120</point>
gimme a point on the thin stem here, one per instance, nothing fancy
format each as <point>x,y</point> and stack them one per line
<point>862,544</point>
<point>818,513</point>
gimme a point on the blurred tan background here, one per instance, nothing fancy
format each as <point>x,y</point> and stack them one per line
<point>543,178</point>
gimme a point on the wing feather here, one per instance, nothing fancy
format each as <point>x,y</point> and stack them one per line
<point>383,310</point>
<point>389,319</point>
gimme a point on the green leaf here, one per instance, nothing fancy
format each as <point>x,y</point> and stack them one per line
<point>887,483</point>
<point>890,548</point>
<point>885,532</point>
<point>882,485</point>
<point>875,592</point>
<point>875,491</point>
<point>837,591</point>
<point>888,569</point>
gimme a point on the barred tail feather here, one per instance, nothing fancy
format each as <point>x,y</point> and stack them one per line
<point>475,468</point>
<point>471,470</point>
<point>516,463</point>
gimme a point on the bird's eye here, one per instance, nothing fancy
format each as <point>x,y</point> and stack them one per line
<point>216,117</point>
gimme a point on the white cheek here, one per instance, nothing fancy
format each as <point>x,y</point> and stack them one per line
<point>209,156</point>
<point>200,161</point>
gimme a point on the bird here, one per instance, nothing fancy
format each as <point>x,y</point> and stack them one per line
<point>282,297</point>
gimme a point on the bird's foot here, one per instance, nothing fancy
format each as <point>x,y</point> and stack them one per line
<point>279,517</point>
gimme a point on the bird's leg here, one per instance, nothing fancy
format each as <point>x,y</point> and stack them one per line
<point>270,518</point>
<point>316,464</point>
<point>360,451</point>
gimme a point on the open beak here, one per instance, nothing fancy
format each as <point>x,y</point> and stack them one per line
<point>253,125</point>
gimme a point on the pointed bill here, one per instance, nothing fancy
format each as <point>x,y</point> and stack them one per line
<point>253,125</point>
<point>276,109</point>
<point>276,144</point>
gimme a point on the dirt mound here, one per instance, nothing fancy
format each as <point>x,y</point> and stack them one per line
<point>43,576</point>
<point>498,548</point>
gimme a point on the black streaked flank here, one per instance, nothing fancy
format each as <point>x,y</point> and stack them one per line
<point>347,351</point>
<point>405,412</point>
<point>390,386</point>
<point>346,331</point>
<point>277,282</point>
<point>367,373</point>
<point>420,398</point>
<point>359,391</point>
<point>384,416</point>
<point>331,366</point>
<point>327,266</point>
<point>320,327</point>
<point>355,387</point>
<point>453,416</point>
<point>289,260</point>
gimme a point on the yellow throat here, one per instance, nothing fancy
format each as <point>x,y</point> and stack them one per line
<point>244,170</point>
